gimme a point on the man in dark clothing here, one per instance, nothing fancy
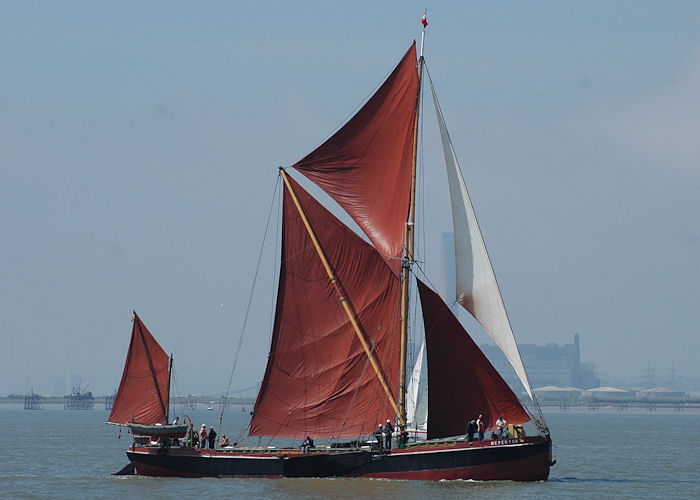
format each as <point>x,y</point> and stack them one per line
<point>212,437</point>
<point>471,429</point>
<point>379,436</point>
<point>388,431</point>
<point>307,444</point>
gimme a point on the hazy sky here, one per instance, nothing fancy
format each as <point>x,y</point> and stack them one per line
<point>139,146</point>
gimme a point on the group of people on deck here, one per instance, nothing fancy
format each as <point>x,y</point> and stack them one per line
<point>478,427</point>
<point>202,438</point>
<point>383,435</point>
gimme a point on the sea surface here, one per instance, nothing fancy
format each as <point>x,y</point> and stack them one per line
<point>56,453</point>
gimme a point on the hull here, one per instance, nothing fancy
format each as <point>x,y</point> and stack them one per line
<point>525,459</point>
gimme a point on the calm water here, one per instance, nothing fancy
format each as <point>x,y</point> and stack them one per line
<point>62,454</point>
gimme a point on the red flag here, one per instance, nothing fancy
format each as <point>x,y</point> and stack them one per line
<point>424,20</point>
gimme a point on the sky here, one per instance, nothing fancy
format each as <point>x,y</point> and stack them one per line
<point>140,142</point>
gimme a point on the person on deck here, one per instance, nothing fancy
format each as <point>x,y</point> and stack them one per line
<point>307,444</point>
<point>480,427</point>
<point>224,442</point>
<point>379,436</point>
<point>388,432</point>
<point>203,436</point>
<point>471,429</point>
<point>501,424</point>
<point>403,440</point>
<point>212,437</point>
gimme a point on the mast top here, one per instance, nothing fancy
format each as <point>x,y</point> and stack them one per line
<point>424,22</point>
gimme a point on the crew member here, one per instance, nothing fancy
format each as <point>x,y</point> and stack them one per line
<point>212,437</point>
<point>379,436</point>
<point>388,431</point>
<point>224,442</point>
<point>471,429</point>
<point>307,444</point>
<point>501,424</point>
<point>480,427</point>
<point>203,436</point>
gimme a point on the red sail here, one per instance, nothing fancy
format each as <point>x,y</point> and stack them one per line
<point>318,380</point>
<point>143,392</point>
<point>462,383</point>
<point>366,165</point>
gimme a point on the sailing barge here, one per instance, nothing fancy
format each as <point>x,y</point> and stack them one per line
<point>337,362</point>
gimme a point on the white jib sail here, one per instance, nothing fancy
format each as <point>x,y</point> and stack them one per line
<point>416,409</point>
<point>477,288</point>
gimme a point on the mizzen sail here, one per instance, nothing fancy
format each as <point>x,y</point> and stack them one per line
<point>144,389</point>
<point>477,288</point>
<point>318,379</point>
<point>462,382</point>
<point>366,165</point>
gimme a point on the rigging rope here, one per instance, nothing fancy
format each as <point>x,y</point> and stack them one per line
<point>247,311</point>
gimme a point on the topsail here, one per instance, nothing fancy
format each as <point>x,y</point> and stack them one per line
<point>366,165</point>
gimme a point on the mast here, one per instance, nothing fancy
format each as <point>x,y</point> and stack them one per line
<point>170,374</point>
<point>408,254</point>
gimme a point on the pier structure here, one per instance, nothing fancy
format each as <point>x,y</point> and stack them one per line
<point>79,399</point>
<point>33,401</point>
<point>109,402</point>
<point>188,404</point>
<point>622,405</point>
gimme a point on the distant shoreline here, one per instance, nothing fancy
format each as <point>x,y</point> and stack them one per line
<point>6,404</point>
<point>100,403</point>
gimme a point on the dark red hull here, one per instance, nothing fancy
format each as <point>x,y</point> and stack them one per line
<point>526,459</point>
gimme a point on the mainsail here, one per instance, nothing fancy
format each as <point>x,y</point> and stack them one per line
<point>366,165</point>
<point>318,379</point>
<point>144,389</point>
<point>477,288</point>
<point>462,383</point>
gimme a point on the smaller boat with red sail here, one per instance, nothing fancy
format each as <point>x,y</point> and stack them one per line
<point>337,369</point>
<point>142,400</point>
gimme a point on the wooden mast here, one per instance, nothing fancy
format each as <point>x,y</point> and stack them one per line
<point>408,251</point>
<point>170,375</point>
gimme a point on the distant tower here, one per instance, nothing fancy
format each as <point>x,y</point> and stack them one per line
<point>672,376</point>
<point>576,368</point>
<point>650,378</point>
